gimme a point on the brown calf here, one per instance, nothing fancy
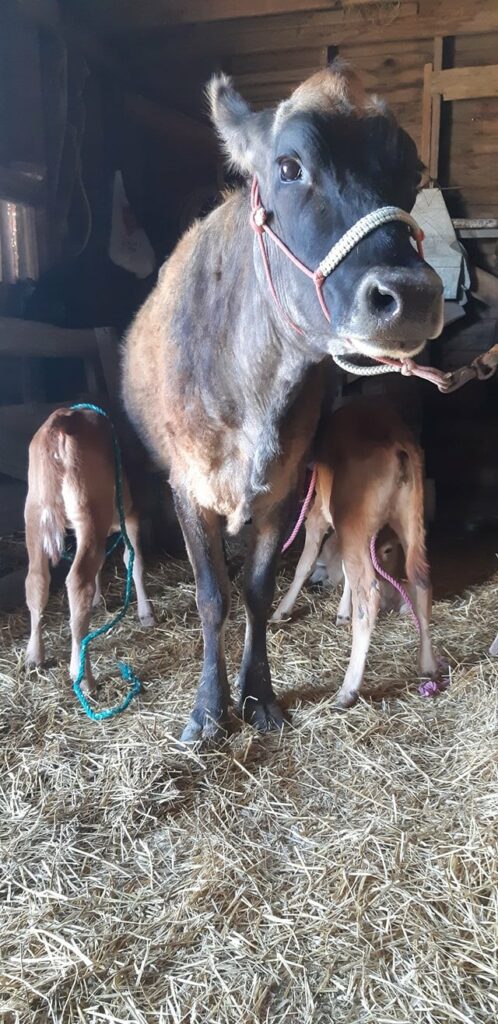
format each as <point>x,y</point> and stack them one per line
<point>369,476</point>
<point>71,483</point>
<point>329,571</point>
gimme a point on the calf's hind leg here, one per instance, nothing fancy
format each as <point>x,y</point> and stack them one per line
<point>316,528</point>
<point>37,587</point>
<point>365,596</point>
<point>145,613</point>
<point>203,538</point>
<point>81,586</point>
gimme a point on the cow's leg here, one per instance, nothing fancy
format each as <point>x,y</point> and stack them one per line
<point>366,601</point>
<point>37,586</point>
<point>257,700</point>
<point>80,584</point>
<point>343,617</point>
<point>203,538</point>
<point>144,608</point>
<point>316,528</point>
<point>494,647</point>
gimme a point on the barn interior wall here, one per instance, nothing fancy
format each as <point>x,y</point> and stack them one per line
<point>145,113</point>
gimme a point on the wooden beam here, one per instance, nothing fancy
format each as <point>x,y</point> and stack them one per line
<point>436,111</point>
<point>425,141</point>
<point>466,83</point>
<point>177,128</point>
<point>28,338</point>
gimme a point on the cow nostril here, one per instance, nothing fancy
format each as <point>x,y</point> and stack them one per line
<point>382,301</point>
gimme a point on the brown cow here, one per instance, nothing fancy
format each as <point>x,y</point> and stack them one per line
<point>369,475</point>
<point>222,374</point>
<point>71,483</point>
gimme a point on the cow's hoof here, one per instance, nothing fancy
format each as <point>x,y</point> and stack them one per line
<point>211,731</point>
<point>493,650</point>
<point>263,717</point>
<point>147,621</point>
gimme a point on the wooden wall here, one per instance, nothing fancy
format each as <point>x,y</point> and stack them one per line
<point>388,43</point>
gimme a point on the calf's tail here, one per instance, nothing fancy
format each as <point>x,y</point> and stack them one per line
<point>411,466</point>
<point>51,454</point>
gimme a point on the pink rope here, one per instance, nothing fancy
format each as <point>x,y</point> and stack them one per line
<point>394,582</point>
<point>429,687</point>
<point>303,512</point>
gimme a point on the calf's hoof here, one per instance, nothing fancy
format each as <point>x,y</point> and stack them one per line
<point>344,701</point>
<point>343,620</point>
<point>279,615</point>
<point>147,620</point>
<point>34,658</point>
<point>493,650</point>
<point>211,730</point>
<point>265,717</point>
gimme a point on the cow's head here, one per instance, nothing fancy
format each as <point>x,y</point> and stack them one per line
<point>325,158</point>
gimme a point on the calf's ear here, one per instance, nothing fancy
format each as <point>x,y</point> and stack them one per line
<point>238,127</point>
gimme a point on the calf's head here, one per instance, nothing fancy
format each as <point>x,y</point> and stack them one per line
<point>324,159</point>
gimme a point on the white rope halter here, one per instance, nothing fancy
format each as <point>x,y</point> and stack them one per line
<point>360,230</point>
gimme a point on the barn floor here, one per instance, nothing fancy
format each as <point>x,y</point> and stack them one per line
<point>344,873</point>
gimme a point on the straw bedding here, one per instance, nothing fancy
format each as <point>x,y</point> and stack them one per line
<point>345,872</point>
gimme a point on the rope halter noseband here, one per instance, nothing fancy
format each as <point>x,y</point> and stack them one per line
<point>349,240</point>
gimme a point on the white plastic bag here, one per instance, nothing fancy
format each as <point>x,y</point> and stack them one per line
<point>129,246</point>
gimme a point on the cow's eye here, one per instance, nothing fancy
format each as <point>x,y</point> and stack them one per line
<point>290,169</point>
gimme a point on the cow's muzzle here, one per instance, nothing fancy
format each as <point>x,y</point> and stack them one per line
<point>394,311</point>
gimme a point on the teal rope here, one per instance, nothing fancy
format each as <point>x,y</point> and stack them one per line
<point>126,671</point>
<point>69,555</point>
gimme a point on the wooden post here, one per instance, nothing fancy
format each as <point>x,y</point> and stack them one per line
<point>436,112</point>
<point>425,142</point>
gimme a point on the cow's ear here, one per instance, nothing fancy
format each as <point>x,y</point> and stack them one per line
<point>237,125</point>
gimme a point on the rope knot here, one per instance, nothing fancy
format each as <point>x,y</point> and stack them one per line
<point>407,367</point>
<point>259,218</point>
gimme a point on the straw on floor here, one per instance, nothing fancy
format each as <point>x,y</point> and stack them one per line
<point>345,872</point>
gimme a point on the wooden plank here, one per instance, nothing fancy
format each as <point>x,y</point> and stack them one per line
<point>333,27</point>
<point>436,111</point>
<point>462,223</point>
<point>261,79</point>
<point>481,49</point>
<point>425,144</point>
<point>28,338</point>
<point>466,83</point>
<point>477,233</point>
<point>176,128</point>
<point>157,13</point>
<point>252,63</point>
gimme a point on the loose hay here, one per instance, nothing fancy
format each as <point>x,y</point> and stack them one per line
<point>345,872</point>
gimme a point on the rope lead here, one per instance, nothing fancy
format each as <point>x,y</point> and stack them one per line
<point>126,671</point>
